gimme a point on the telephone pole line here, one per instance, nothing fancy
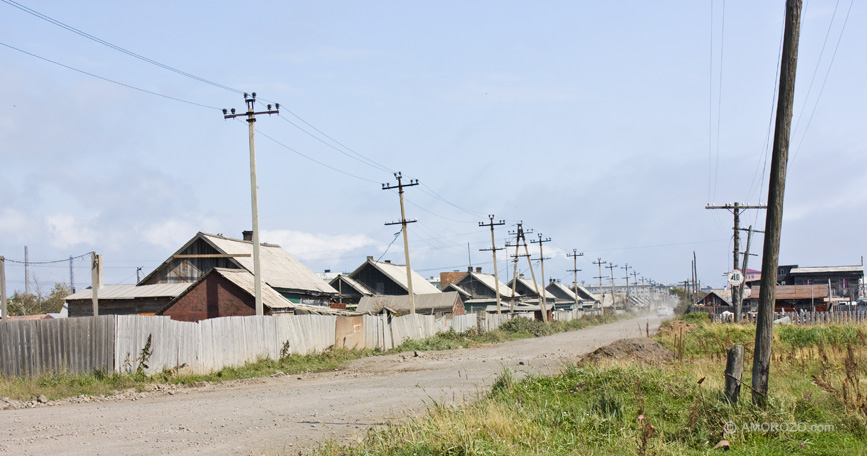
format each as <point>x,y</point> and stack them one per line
<point>518,233</point>
<point>611,267</point>
<point>747,254</point>
<point>403,222</point>
<point>626,268</point>
<point>493,250</point>
<point>543,299</point>
<point>251,119</point>
<point>736,209</point>
<point>575,269</point>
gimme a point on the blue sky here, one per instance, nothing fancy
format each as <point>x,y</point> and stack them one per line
<point>604,126</point>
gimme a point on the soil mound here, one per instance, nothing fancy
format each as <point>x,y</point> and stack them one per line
<point>637,349</point>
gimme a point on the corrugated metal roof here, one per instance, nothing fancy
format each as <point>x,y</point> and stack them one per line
<point>828,269</point>
<point>424,303</point>
<point>162,290</point>
<point>244,280</point>
<point>488,280</point>
<point>397,273</point>
<point>279,268</point>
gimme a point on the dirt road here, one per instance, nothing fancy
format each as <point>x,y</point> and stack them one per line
<point>288,414</point>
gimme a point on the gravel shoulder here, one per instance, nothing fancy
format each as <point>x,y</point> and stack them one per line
<point>286,414</point>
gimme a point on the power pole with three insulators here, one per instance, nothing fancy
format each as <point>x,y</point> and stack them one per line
<point>403,222</point>
<point>493,250</point>
<point>574,255</point>
<point>543,298</point>
<point>251,120</point>
<point>776,191</point>
<point>736,209</point>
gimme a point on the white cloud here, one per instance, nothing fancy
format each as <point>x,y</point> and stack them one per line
<point>68,231</point>
<point>315,246</point>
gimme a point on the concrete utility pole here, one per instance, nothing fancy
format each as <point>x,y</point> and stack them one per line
<point>776,191</point>
<point>95,280</point>
<point>543,299</point>
<point>72,276</point>
<point>575,269</point>
<point>3,312</point>
<point>493,250</point>
<point>254,196</point>
<point>403,222</point>
<point>518,233</point>
<point>736,209</point>
<point>599,263</point>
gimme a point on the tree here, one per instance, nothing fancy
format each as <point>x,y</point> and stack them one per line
<point>39,303</point>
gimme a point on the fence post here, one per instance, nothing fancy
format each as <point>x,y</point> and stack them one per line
<point>734,371</point>
<point>4,313</point>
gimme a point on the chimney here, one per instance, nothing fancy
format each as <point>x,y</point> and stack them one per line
<point>369,258</point>
<point>478,269</point>
<point>247,235</point>
<point>388,261</point>
<point>521,275</point>
<point>469,269</point>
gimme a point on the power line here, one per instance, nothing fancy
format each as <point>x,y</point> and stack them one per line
<point>105,79</point>
<point>116,47</point>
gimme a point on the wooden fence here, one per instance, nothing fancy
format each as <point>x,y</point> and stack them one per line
<point>117,342</point>
<point>818,318</point>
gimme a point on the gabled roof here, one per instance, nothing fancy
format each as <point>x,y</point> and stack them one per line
<point>279,268</point>
<point>527,283</point>
<point>489,281</point>
<point>352,283</point>
<point>584,293</point>
<point>455,287</point>
<point>162,290</point>
<point>828,270</point>
<point>244,280</point>
<point>424,303</point>
<point>397,274</point>
<point>554,287</point>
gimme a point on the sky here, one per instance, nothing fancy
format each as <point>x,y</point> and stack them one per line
<point>604,126</point>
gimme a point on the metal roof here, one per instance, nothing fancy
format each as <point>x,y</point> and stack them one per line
<point>279,268</point>
<point>488,281</point>
<point>424,303</point>
<point>162,290</point>
<point>455,287</point>
<point>562,288</point>
<point>361,289</point>
<point>584,293</point>
<point>828,269</point>
<point>397,273</point>
<point>244,280</point>
<point>783,292</point>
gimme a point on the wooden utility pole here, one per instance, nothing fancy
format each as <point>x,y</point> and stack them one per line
<point>575,270</point>
<point>736,209</point>
<point>611,267</point>
<point>532,274</point>
<point>493,250</point>
<point>599,263</point>
<point>403,222</point>
<point>254,193</point>
<point>626,268</point>
<point>776,191</point>
<point>3,311</point>
<point>747,254</point>
<point>518,233</point>
<point>543,298</point>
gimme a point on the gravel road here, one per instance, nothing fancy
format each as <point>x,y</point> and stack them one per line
<point>286,414</point>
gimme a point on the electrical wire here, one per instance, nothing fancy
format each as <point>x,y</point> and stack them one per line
<point>390,244</point>
<point>105,79</point>
<point>65,260</point>
<point>115,47</point>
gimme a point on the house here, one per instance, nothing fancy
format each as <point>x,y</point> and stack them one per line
<point>525,287</point>
<point>564,298</point>
<point>438,304</point>
<point>124,299</point>
<point>845,281</point>
<point>478,290</point>
<point>349,291</point>
<point>713,300</point>
<point>796,297</point>
<point>280,270</point>
<point>588,298</point>
<point>385,278</point>
<point>224,292</point>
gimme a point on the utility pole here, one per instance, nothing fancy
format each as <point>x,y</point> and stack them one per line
<point>635,282</point>
<point>3,312</point>
<point>71,275</point>
<point>776,191</point>
<point>493,250</point>
<point>736,209</point>
<point>611,267</point>
<point>626,268</point>
<point>254,195</point>
<point>26,271</point>
<point>575,269</point>
<point>543,299</point>
<point>95,280</point>
<point>747,254</point>
<point>403,222</point>
<point>599,263</point>
<point>518,233</point>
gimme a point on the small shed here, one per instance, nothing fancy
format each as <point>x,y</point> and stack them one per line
<point>124,299</point>
<point>438,304</point>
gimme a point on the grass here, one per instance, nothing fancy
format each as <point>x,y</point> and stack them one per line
<point>59,386</point>
<point>817,378</point>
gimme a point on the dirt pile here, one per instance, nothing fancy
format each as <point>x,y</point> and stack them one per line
<point>636,349</point>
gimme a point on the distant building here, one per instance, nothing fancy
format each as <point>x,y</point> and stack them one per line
<point>385,278</point>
